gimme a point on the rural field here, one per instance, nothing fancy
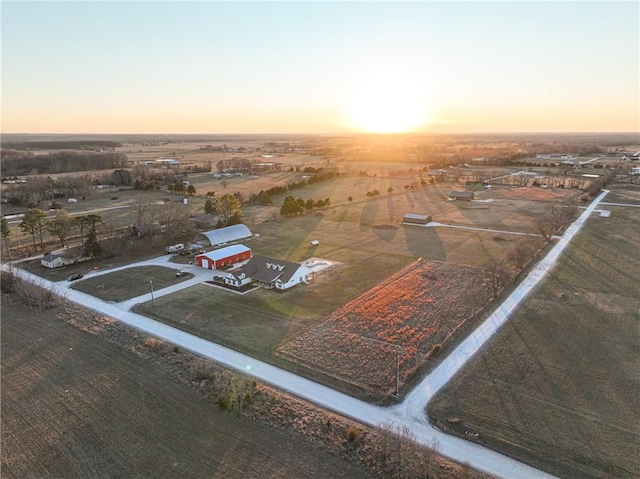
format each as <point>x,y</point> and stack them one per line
<point>417,310</point>
<point>558,386</point>
<point>367,245</point>
<point>77,406</point>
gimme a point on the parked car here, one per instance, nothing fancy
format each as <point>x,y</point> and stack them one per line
<point>73,277</point>
<point>180,274</point>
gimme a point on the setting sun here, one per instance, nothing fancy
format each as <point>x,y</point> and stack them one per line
<point>388,103</point>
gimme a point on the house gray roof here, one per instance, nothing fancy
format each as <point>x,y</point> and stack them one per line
<point>49,257</point>
<point>223,235</point>
<point>268,270</point>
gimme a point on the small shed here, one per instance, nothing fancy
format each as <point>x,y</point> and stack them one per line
<point>462,195</point>
<point>223,257</point>
<point>416,219</point>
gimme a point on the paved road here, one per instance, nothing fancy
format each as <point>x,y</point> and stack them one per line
<point>409,413</point>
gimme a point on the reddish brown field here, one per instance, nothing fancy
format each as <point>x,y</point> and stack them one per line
<point>418,309</point>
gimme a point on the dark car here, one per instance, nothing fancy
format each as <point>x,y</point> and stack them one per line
<point>73,277</point>
<point>180,274</point>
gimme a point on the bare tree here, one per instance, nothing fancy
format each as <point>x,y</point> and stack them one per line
<point>520,255</point>
<point>62,226</point>
<point>498,276</point>
<point>553,221</point>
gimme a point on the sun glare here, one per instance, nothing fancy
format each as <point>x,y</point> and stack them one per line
<point>388,103</point>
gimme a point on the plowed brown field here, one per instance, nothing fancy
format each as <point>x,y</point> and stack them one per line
<point>76,406</point>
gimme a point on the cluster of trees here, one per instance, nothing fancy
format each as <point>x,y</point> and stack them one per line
<point>150,219</point>
<point>263,198</point>
<point>236,164</point>
<point>39,189</point>
<point>180,188</point>
<point>144,185</point>
<point>555,219</point>
<point>228,206</point>
<point>63,227</point>
<point>15,162</point>
<point>279,190</point>
<point>294,207</point>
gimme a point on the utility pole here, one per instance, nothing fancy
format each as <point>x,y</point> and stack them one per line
<point>153,300</point>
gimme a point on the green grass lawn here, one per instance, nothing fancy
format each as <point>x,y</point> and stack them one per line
<point>129,283</point>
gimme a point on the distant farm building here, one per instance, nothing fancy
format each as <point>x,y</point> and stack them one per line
<point>222,235</point>
<point>271,273</point>
<point>223,257</point>
<point>462,195</point>
<point>205,221</point>
<point>437,173</point>
<point>416,219</point>
<point>167,162</point>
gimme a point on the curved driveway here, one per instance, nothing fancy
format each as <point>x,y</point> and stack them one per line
<point>409,413</point>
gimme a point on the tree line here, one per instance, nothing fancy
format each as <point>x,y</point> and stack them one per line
<point>63,226</point>
<point>15,162</point>
<point>60,145</point>
<point>265,197</point>
<point>293,207</point>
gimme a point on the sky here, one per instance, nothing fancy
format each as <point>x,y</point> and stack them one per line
<point>319,67</point>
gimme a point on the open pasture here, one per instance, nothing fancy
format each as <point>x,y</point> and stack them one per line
<point>129,283</point>
<point>374,225</point>
<point>558,386</point>
<point>398,324</point>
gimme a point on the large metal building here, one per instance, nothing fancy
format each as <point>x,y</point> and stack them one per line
<point>221,236</point>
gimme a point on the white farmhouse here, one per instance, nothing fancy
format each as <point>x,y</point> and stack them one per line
<point>272,273</point>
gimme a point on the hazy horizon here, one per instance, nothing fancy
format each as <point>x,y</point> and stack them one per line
<point>320,68</point>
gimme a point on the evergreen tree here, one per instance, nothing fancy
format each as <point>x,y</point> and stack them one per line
<point>34,222</point>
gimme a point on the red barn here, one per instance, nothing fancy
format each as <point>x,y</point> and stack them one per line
<point>222,257</point>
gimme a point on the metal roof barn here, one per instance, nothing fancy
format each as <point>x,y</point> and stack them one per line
<point>224,256</point>
<point>223,235</point>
